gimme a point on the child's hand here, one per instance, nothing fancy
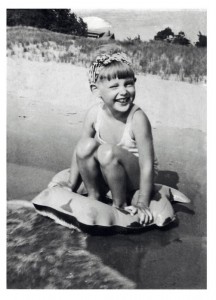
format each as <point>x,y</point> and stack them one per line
<point>144,213</point>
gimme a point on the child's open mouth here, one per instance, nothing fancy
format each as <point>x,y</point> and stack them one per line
<point>123,100</point>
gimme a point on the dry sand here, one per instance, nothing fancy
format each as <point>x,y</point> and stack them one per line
<point>46,105</point>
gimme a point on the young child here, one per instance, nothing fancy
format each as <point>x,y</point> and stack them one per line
<point>115,151</point>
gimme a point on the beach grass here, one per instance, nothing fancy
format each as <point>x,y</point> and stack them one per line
<point>183,63</point>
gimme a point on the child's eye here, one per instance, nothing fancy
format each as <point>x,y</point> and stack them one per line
<point>113,86</point>
<point>130,84</point>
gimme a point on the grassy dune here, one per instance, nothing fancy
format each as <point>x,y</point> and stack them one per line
<point>157,58</point>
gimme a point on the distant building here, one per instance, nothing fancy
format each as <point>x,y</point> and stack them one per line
<point>101,35</point>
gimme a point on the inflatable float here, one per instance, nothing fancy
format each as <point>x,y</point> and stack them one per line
<point>94,217</point>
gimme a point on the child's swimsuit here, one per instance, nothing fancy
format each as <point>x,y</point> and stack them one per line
<point>127,141</point>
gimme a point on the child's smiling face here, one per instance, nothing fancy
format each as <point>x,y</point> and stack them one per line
<point>117,94</point>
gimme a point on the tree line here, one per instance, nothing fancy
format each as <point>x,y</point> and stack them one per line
<point>64,21</point>
<point>168,35</point>
<point>58,20</point>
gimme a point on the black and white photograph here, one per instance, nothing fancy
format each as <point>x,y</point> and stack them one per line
<point>106,148</point>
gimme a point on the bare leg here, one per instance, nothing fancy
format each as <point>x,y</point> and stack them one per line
<point>116,179</point>
<point>121,171</point>
<point>89,167</point>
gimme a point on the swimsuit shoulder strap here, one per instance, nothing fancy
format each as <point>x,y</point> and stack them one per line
<point>98,118</point>
<point>128,127</point>
<point>128,134</point>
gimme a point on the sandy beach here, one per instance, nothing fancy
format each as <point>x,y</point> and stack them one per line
<point>46,105</point>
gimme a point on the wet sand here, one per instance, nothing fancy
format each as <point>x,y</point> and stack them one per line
<point>46,106</point>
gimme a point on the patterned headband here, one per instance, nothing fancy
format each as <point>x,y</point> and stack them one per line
<point>102,61</point>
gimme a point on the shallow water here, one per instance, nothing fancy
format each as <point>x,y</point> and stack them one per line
<point>42,254</point>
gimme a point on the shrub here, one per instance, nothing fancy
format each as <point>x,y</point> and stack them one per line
<point>202,40</point>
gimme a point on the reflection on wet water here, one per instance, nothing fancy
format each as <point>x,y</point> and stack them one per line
<point>143,258</point>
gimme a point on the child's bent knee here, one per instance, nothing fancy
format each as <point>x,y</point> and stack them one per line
<point>106,155</point>
<point>86,147</point>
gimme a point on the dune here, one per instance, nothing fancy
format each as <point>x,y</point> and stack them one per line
<point>46,105</point>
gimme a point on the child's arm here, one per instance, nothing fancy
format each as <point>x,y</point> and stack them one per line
<point>75,178</point>
<point>143,136</point>
<point>87,131</point>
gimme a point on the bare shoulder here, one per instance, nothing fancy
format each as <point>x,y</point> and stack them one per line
<point>89,121</point>
<point>91,114</point>
<point>140,121</point>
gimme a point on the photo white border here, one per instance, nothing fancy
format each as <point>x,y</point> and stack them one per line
<point>210,293</point>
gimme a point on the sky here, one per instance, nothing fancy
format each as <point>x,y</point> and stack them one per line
<point>146,23</point>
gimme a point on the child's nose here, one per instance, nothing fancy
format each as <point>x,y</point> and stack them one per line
<point>123,90</point>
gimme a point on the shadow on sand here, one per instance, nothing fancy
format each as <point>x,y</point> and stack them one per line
<point>169,178</point>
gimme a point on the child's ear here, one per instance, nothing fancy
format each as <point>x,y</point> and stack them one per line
<point>95,90</point>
